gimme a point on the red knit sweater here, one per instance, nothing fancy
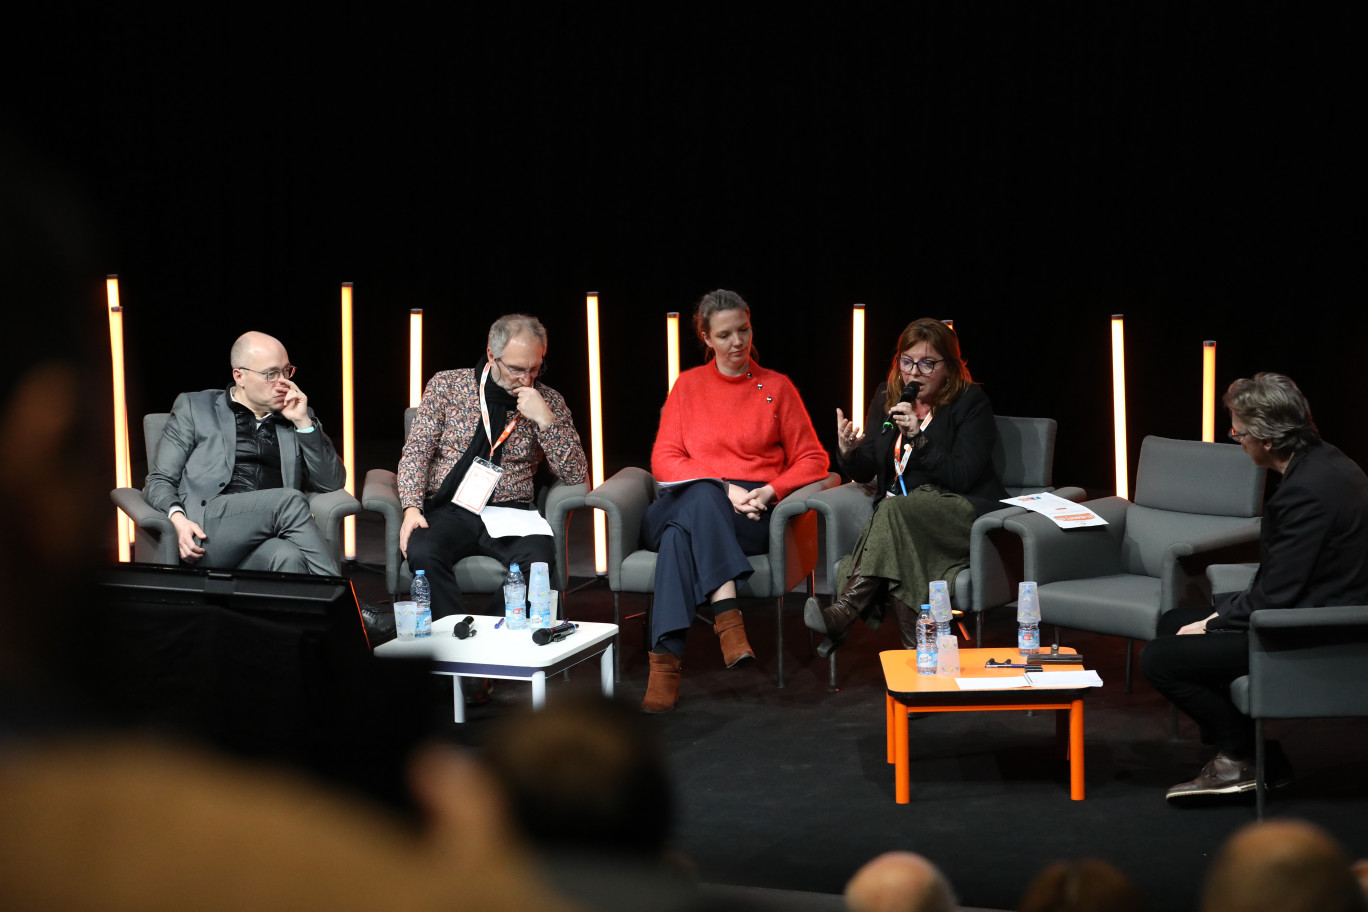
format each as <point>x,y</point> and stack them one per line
<point>748,428</point>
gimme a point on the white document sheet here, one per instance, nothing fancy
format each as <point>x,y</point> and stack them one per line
<point>1010,682</point>
<point>502,521</point>
<point>1088,678</point>
<point>1065,513</point>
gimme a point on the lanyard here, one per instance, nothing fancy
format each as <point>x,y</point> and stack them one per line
<point>900,462</point>
<point>484,416</point>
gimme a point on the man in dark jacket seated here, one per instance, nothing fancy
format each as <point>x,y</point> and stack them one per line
<point>1312,547</point>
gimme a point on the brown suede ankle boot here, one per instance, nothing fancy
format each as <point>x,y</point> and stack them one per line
<point>835,620</point>
<point>732,632</point>
<point>662,688</point>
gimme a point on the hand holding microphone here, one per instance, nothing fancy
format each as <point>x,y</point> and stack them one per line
<point>909,394</point>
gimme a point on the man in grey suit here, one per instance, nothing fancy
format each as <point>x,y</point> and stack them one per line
<point>233,465</point>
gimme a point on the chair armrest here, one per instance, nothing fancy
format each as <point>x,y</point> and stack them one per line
<point>991,575</point>
<point>561,501</point>
<point>1310,618</point>
<point>793,546</point>
<point>1308,662</point>
<point>131,501</point>
<point>1183,577</point>
<point>1074,493</point>
<point>329,508</point>
<point>380,493</point>
<point>624,499</point>
<point>1230,577</point>
<point>1052,554</point>
<point>843,512</point>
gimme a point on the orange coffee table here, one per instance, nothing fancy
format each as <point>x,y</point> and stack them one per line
<point>911,692</point>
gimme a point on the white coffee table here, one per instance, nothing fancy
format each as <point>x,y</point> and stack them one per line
<point>506,654</point>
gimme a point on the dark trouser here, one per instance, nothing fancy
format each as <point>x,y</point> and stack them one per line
<point>272,529</point>
<point>701,543</point>
<point>1194,671</point>
<point>453,533</point>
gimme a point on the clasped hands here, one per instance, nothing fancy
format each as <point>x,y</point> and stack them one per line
<point>750,503</point>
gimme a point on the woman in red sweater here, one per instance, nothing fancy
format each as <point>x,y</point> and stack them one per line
<point>732,420</point>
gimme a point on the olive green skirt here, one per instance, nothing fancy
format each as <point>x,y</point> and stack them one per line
<point>911,541</point>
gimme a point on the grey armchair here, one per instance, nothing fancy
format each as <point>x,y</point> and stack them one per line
<point>1024,460</point>
<point>473,574</point>
<point>791,558</point>
<point>154,537</point>
<point>1195,504</point>
<point>1304,663</point>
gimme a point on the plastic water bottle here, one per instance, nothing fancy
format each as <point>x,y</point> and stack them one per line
<point>515,599</point>
<point>940,607</point>
<point>539,596</point>
<point>420,593</point>
<point>926,642</point>
<point>1028,618</point>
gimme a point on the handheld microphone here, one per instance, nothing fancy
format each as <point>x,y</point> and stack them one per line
<point>909,394</point>
<point>543,635</point>
<point>464,629</point>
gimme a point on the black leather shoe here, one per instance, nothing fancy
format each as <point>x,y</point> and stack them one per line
<point>379,623</point>
<point>1223,775</point>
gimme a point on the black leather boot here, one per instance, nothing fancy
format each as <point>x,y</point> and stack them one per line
<point>835,620</point>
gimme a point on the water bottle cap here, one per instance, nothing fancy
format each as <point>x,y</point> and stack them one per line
<point>513,568</point>
<point>925,607</point>
<point>419,572</point>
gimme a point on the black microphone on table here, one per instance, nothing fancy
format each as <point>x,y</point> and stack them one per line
<point>544,635</point>
<point>909,394</point>
<point>465,628</point>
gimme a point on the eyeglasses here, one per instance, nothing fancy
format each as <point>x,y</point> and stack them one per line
<point>275,373</point>
<point>517,373</point>
<point>925,365</point>
<point>1237,436</point>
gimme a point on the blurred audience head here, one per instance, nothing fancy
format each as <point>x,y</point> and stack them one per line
<point>1281,866</point>
<point>899,882</point>
<point>586,777</point>
<point>1081,885</point>
<point>54,424</point>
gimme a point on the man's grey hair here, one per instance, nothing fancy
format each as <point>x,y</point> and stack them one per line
<point>1272,408</point>
<point>510,325</point>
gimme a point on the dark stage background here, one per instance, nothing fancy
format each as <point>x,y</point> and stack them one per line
<point>1024,169</point>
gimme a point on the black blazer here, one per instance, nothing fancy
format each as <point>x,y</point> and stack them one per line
<point>1313,544</point>
<point>956,457</point>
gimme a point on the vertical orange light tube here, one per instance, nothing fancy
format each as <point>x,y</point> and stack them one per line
<point>415,356</point>
<point>348,416</point>
<point>1209,391</point>
<point>122,472</point>
<point>857,364</point>
<point>671,349</point>
<point>591,303</point>
<point>1118,339</point>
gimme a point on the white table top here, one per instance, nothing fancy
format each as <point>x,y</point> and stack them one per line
<point>512,649</point>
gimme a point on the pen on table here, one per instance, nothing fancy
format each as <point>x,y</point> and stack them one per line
<point>499,624</point>
<point>1028,666</point>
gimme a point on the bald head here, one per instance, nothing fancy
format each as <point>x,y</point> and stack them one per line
<point>899,882</point>
<point>253,345</point>
<point>1284,865</point>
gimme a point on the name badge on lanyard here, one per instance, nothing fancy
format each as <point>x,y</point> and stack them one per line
<point>483,476</point>
<point>900,461</point>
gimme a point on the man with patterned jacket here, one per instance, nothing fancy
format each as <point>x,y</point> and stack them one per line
<point>465,479</point>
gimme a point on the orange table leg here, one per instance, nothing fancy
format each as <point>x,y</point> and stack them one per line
<point>889,705</point>
<point>901,769</point>
<point>1075,750</point>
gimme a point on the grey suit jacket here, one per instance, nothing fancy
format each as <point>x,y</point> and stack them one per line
<point>195,458</point>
